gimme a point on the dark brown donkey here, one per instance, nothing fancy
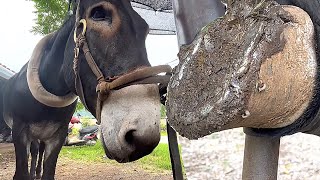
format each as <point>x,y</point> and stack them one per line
<point>99,55</point>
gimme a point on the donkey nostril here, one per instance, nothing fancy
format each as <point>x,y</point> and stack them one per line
<point>129,137</point>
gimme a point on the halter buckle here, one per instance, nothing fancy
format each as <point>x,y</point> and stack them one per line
<point>84,29</point>
<point>76,52</point>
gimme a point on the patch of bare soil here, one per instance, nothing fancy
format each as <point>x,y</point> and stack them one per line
<point>7,161</point>
<point>73,170</point>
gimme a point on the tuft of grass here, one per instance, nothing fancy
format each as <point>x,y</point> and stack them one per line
<point>85,153</point>
<point>159,159</point>
<point>163,127</point>
<point>86,121</point>
<point>74,132</point>
<point>163,133</point>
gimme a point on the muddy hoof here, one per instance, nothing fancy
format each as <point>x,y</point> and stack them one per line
<point>245,70</point>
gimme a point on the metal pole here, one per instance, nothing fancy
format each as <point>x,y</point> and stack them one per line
<point>192,15</point>
<point>174,153</point>
<point>261,157</point>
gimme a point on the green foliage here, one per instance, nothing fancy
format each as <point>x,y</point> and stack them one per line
<point>74,132</point>
<point>50,15</point>
<point>163,133</point>
<point>87,122</point>
<point>79,107</point>
<point>163,111</point>
<point>163,127</point>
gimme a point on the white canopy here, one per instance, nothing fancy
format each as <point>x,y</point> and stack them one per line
<point>158,14</point>
<point>5,73</point>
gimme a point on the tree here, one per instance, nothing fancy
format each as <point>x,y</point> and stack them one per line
<point>50,15</point>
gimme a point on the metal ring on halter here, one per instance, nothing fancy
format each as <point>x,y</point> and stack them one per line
<point>84,23</point>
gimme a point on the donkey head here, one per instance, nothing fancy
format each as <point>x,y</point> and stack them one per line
<point>115,35</point>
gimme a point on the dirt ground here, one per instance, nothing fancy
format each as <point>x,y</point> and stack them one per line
<point>73,170</point>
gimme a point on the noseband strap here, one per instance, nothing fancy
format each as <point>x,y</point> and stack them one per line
<point>143,75</point>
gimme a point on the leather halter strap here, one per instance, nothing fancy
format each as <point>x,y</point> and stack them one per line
<point>143,75</point>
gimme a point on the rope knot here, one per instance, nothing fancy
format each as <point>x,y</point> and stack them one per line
<point>81,40</point>
<point>103,88</point>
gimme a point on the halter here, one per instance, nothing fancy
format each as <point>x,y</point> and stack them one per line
<point>143,75</point>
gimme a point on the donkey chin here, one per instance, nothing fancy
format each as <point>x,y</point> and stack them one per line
<point>130,121</point>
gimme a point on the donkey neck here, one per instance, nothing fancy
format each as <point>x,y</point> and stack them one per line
<point>51,68</point>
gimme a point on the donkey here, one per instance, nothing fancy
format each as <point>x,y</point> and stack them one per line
<point>5,131</point>
<point>99,55</point>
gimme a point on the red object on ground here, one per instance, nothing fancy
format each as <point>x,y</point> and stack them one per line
<point>74,120</point>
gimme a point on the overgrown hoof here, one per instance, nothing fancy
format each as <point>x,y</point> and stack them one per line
<point>245,70</point>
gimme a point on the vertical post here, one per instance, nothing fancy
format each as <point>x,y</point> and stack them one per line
<point>174,153</point>
<point>261,156</point>
<point>190,17</point>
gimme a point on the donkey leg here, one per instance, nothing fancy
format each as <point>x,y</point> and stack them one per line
<point>52,150</point>
<point>34,149</point>
<point>39,166</point>
<point>22,147</point>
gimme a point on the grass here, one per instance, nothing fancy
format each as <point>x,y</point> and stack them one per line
<point>157,161</point>
<point>164,133</point>
<point>163,127</point>
<point>84,153</point>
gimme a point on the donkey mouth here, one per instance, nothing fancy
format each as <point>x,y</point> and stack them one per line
<point>136,154</point>
<point>108,154</point>
<point>130,119</point>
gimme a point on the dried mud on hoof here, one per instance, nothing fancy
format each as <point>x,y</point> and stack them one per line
<point>254,67</point>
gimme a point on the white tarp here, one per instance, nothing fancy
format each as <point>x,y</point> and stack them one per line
<point>5,73</point>
<point>158,14</point>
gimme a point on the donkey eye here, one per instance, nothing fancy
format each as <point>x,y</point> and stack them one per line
<point>101,14</point>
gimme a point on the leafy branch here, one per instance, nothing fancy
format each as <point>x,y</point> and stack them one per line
<point>50,15</point>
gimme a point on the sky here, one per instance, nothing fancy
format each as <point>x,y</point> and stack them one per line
<point>17,42</point>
